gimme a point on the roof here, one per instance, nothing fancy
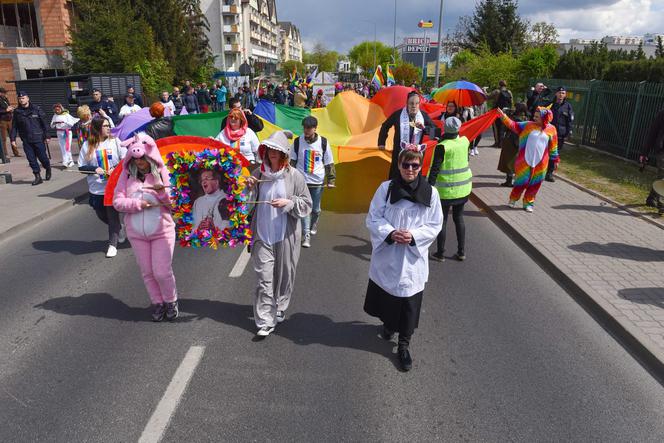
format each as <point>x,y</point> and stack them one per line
<point>74,77</point>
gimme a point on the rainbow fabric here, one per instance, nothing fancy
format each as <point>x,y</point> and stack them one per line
<point>103,160</point>
<point>378,80</point>
<point>390,76</point>
<point>309,161</point>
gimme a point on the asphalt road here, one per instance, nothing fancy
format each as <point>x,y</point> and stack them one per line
<point>502,352</point>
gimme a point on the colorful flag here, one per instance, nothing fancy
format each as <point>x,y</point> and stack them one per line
<point>311,77</point>
<point>378,81</point>
<point>309,161</point>
<point>390,76</point>
<point>103,162</point>
<point>293,75</point>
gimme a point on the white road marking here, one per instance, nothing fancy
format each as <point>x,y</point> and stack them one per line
<point>240,264</point>
<point>161,416</point>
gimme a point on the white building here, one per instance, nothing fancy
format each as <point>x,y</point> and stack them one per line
<point>290,42</point>
<point>243,31</point>
<point>615,43</point>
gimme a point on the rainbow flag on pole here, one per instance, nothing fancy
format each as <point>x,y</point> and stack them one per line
<point>390,76</point>
<point>378,80</point>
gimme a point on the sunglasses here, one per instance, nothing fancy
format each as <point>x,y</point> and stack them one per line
<point>413,166</point>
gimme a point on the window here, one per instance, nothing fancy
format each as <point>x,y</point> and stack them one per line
<point>18,25</point>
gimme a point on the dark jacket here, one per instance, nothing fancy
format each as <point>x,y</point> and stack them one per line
<point>280,97</point>
<point>394,121</point>
<point>160,128</point>
<point>203,96</point>
<point>563,117</point>
<point>178,102</point>
<point>654,144</point>
<point>191,103</point>
<point>30,124</point>
<point>536,99</point>
<point>4,115</point>
<point>109,107</point>
<point>254,123</point>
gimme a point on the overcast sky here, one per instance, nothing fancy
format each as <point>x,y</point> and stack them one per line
<point>340,24</point>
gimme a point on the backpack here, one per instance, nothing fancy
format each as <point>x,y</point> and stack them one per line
<point>296,145</point>
<point>504,99</point>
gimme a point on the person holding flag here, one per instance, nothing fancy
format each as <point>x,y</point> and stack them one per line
<point>390,76</point>
<point>378,81</point>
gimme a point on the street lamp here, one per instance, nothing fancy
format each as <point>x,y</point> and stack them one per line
<point>440,28</point>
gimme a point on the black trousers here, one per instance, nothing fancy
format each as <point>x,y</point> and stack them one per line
<point>552,165</point>
<point>459,225</point>
<point>109,216</point>
<point>34,151</point>
<point>500,131</point>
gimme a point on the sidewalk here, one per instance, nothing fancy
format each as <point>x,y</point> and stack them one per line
<point>610,260</point>
<point>23,205</point>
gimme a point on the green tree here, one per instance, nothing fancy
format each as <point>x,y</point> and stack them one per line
<point>496,24</point>
<point>659,52</point>
<point>326,60</point>
<point>287,68</point>
<point>362,55</point>
<point>407,74</point>
<point>538,62</point>
<point>462,58</point>
<point>542,33</point>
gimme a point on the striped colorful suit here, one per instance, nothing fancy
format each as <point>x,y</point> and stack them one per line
<point>527,178</point>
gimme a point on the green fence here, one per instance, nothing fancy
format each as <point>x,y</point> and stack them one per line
<point>612,116</point>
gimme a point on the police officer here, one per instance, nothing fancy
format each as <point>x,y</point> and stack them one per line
<point>29,122</point>
<point>563,117</point>
<point>450,173</point>
<point>104,107</point>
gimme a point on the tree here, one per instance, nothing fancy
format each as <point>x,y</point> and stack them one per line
<point>362,55</point>
<point>496,24</point>
<point>640,55</point>
<point>542,33</point>
<point>326,60</point>
<point>287,67</point>
<point>407,74</point>
<point>538,62</point>
<point>659,52</point>
<point>127,51</point>
<point>197,26</point>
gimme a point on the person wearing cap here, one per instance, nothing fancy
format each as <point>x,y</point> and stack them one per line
<point>29,123</point>
<point>320,101</point>
<point>282,201</point>
<point>137,97</point>
<point>538,142</point>
<point>6,113</point>
<point>451,175</point>
<point>404,218</point>
<point>410,126</point>
<point>312,156</point>
<point>129,107</point>
<point>104,108</point>
<point>563,118</point>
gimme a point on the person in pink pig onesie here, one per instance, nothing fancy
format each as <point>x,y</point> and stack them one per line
<point>141,194</point>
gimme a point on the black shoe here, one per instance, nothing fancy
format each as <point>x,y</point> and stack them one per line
<point>507,184</point>
<point>651,201</point>
<point>405,360</point>
<point>549,178</point>
<point>158,312</point>
<point>438,256</point>
<point>172,310</point>
<point>386,334</point>
<point>460,256</point>
<point>48,174</point>
<point>38,180</point>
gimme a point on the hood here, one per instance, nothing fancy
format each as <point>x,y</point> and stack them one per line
<point>546,115</point>
<point>139,145</point>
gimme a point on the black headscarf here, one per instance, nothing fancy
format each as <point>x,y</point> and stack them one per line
<point>417,191</point>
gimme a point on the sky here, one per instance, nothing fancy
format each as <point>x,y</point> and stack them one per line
<point>340,24</point>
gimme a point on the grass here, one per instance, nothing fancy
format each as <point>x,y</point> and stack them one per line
<point>617,179</point>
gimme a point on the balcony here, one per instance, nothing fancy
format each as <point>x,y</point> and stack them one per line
<point>232,48</point>
<point>233,10</point>
<point>231,29</point>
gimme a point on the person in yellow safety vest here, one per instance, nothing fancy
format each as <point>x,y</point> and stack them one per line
<point>451,175</point>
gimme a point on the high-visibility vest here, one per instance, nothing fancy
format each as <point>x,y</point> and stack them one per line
<point>455,177</point>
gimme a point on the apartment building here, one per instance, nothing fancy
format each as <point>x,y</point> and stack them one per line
<point>33,39</point>
<point>290,42</point>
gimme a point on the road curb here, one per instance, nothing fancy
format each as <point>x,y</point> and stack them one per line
<point>29,223</point>
<point>650,357</point>
<point>638,214</point>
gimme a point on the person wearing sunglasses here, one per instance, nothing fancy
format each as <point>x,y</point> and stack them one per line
<point>404,218</point>
<point>451,175</point>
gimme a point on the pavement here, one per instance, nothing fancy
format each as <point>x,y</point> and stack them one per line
<point>608,258</point>
<point>80,360</point>
<point>23,205</point>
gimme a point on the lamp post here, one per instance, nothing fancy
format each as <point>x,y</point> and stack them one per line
<point>394,43</point>
<point>440,29</point>
<point>424,25</point>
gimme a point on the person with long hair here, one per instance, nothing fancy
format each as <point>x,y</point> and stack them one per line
<point>99,155</point>
<point>141,193</point>
<point>404,218</point>
<point>239,136</point>
<point>282,201</point>
<point>63,122</point>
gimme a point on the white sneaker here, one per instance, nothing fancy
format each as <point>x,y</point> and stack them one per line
<point>265,331</point>
<point>314,229</point>
<point>477,152</point>
<point>281,316</point>
<point>122,236</point>
<point>472,152</point>
<point>512,203</point>
<point>112,251</point>
<point>306,241</point>
<point>528,208</point>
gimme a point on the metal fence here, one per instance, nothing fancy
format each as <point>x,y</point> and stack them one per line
<point>612,116</point>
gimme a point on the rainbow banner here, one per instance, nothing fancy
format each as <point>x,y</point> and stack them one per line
<point>103,158</point>
<point>378,80</point>
<point>390,76</point>
<point>309,161</point>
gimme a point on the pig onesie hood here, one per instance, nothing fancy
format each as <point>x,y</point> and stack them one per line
<point>150,230</point>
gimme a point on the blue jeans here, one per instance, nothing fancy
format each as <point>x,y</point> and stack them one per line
<point>311,219</point>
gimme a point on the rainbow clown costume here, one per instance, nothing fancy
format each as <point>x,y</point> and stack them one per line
<point>538,141</point>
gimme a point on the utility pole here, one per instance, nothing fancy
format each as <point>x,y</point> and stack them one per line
<point>394,44</point>
<point>374,47</point>
<point>440,29</point>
